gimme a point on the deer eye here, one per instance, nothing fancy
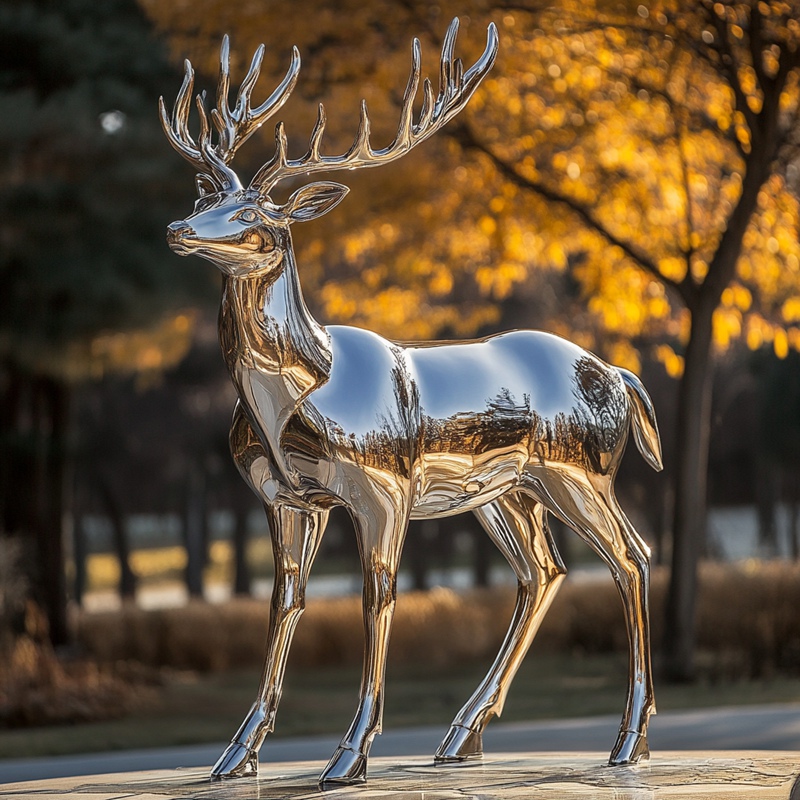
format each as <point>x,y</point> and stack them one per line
<point>248,215</point>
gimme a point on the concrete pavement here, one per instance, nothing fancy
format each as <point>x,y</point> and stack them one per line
<point>684,775</point>
<point>769,727</point>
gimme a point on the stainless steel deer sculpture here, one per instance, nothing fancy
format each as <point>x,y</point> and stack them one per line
<point>508,427</point>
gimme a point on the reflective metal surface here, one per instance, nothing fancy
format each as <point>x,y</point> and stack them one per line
<point>509,427</point>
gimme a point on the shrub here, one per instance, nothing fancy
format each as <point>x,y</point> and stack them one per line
<point>38,688</point>
<point>748,626</point>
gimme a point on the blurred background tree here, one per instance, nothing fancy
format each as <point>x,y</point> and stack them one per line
<point>85,283</point>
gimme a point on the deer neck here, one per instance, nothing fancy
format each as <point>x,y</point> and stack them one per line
<point>277,353</point>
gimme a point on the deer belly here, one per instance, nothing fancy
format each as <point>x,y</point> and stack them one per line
<point>452,482</point>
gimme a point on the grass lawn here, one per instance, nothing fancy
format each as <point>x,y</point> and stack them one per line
<point>192,709</point>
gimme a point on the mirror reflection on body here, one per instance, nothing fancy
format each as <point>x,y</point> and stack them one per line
<point>509,427</point>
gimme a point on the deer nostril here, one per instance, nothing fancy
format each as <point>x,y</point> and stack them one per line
<point>177,231</point>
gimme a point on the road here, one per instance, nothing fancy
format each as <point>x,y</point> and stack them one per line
<point>771,727</point>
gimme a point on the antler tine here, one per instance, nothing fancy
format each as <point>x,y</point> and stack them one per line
<point>360,146</point>
<point>212,159</point>
<point>455,89</point>
<point>458,74</point>
<point>176,129</point>
<point>281,145</point>
<point>475,74</point>
<point>221,115</point>
<point>281,94</point>
<point>204,139</point>
<point>237,125</point>
<point>317,133</point>
<point>243,110</point>
<point>446,62</point>
<point>265,178</point>
<point>180,114</point>
<point>405,128</point>
<point>428,105</point>
<point>200,154</point>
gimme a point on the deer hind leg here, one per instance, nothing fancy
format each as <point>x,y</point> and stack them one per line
<point>380,531</point>
<point>588,505</point>
<point>296,535</point>
<point>517,525</point>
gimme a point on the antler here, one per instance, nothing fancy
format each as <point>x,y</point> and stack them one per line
<point>455,89</point>
<point>234,126</point>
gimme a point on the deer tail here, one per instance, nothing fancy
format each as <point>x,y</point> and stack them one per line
<point>643,420</point>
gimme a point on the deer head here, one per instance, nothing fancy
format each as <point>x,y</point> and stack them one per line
<point>241,229</point>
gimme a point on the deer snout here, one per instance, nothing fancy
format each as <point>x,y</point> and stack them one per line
<point>177,234</point>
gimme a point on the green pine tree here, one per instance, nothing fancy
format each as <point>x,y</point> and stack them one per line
<point>86,188</point>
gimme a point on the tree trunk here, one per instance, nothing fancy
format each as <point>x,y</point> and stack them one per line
<point>766,502</point>
<point>194,529</point>
<point>418,550</point>
<point>241,569</point>
<point>694,419</point>
<point>482,557</point>
<point>116,515</point>
<point>19,493</point>
<point>79,558</point>
<point>661,519</point>
<point>794,518</point>
<point>9,446</point>
<point>54,436</point>
<point>689,524</point>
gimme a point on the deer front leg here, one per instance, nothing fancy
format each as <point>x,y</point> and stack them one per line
<point>296,535</point>
<point>380,534</point>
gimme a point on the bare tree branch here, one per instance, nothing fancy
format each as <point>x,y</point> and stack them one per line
<point>771,133</point>
<point>757,45</point>
<point>679,144</point>
<point>468,139</point>
<point>695,119</point>
<point>730,67</point>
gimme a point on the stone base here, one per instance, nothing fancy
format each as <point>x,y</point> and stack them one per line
<point>721,775</point>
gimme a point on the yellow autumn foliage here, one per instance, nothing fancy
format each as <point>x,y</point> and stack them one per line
<point>142,351</point>
<point>601,144</point>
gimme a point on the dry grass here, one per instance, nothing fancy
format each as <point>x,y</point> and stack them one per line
<point>749,619</point>
<point>39,688</point>
<point>748,626</point>
<point>748,634</point>
<point>443,625</point>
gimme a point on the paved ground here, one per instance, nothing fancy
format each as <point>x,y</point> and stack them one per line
<point>718,775</point>
<point>739,728</point>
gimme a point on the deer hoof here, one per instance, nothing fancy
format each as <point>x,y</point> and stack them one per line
<point>345,767</point>
<point>460,744</point>
<point>631,748</point>
<point>237,761</point>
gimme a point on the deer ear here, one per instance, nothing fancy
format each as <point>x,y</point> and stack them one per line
<point>314,200</point>
<point>205,185</point>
